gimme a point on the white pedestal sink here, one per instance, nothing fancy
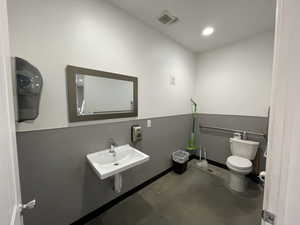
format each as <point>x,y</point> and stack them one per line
<point>105,164</point>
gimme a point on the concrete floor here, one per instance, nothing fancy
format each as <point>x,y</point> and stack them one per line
<point>195,198</point>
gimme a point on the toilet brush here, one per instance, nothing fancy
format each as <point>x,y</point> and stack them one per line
<point>203,162</point>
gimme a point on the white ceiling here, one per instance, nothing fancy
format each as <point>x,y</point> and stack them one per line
<point>233,20</point>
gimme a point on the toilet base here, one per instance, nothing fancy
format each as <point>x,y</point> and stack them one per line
<point>237,182</point>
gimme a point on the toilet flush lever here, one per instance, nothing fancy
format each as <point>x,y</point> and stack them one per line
<point>28,205</point>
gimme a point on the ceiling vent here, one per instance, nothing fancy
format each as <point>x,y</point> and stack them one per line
<point>167,18</point>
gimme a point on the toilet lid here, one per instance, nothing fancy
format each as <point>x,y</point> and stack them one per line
<point>239,162</point>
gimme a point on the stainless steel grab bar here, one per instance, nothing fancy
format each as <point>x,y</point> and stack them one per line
<point>233,131</point>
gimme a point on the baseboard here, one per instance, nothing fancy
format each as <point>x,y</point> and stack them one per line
<point>117,200</point>
<point>214,163</point>
<point>223,166</point>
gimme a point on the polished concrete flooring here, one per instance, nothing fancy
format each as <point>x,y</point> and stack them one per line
<point>196,197</point>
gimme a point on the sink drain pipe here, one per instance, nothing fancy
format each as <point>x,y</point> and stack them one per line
<point>118,183</point>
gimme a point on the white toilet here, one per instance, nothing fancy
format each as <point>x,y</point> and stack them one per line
<point>239,163</point>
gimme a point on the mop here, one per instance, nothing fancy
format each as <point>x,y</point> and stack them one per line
<point>192,141</point>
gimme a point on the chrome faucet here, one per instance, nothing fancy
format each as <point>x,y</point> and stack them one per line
<point>112,147</point>
<point>244,135</point>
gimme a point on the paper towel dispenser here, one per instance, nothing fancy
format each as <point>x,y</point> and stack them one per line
<point>29,87</point>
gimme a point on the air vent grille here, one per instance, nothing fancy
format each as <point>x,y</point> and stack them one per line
<point>167,18</point>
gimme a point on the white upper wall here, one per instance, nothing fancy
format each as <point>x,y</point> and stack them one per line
<point>94,34</point>
<point>236,79</point>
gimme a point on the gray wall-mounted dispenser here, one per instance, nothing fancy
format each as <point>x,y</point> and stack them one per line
<point>136,133</point>
<point>29,87</point>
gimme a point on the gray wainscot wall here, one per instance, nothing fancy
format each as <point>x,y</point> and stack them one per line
<point>54,169</point>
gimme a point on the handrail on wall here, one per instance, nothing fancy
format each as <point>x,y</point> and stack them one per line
<point>242,132</point>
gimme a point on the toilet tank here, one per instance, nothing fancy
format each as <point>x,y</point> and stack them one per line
<point>243,148</point>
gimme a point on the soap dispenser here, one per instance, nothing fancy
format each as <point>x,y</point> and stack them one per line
<point>136,133</point>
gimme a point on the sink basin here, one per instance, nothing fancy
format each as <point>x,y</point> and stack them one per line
<point>105,164</point>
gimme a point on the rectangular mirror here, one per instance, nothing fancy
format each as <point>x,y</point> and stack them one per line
<point>95,95</point>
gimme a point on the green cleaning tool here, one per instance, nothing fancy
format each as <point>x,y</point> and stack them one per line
<point>192,141</point>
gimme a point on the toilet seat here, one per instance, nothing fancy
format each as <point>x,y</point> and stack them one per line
<point>239,164</point>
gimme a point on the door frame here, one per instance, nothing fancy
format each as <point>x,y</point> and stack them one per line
<point>284,128</point>
<point>8,125</point>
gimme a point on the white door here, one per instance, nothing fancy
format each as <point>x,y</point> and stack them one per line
<point>282,188</point>
<point>10,197</point>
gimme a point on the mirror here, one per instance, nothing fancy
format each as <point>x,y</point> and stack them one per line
<point>94,95</point>
<point>103,95</point>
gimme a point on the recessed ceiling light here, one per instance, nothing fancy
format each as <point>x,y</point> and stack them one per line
<point>207,31</point>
